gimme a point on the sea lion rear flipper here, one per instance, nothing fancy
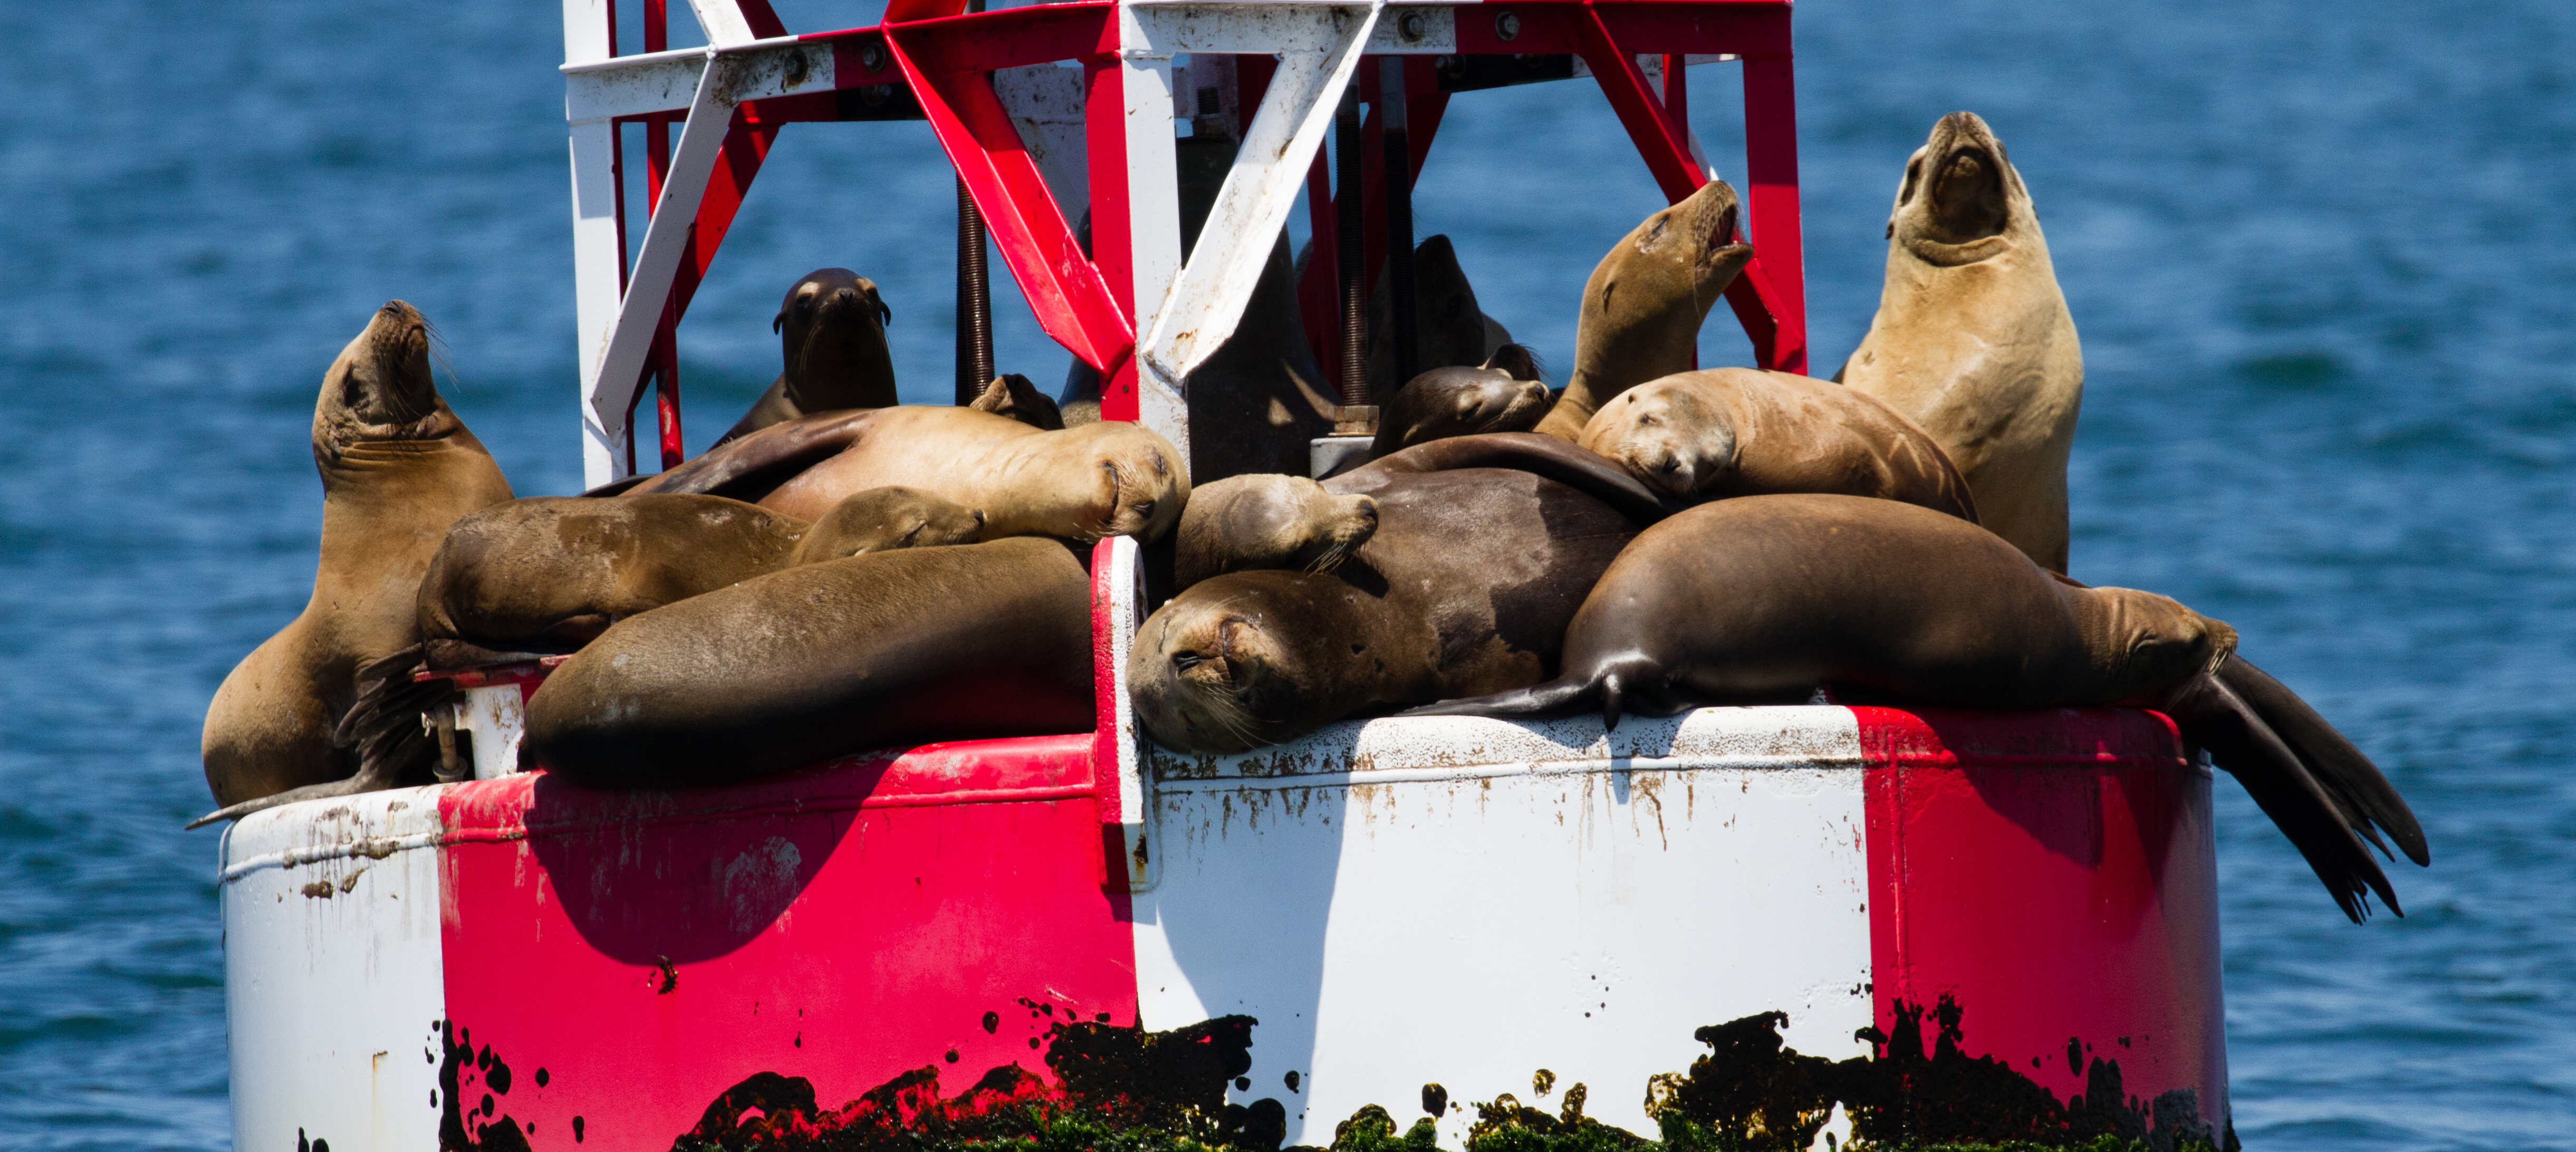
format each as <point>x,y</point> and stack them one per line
<point>1557,459</point>
<point>2365,795</point>
<point>2213,716</point>
<point>349,787</point>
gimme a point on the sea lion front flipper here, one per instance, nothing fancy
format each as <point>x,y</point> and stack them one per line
<point>747,469</point>
<point>2212,715</point>
<point>1555,458</point>
<point>2366,796</point>
<point>1013,395</point>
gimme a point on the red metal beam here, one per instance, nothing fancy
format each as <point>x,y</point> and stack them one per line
<point>1112,233</point>
<point>949,64</point>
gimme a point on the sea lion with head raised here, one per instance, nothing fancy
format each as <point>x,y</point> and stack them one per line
<point>1111,478</point>
<point>1504,395</point>
<point>1766,598</point>
<point>1744,432</point>
<point>1471,556</point>
<point>831,335</point>
<point>1973,340</point>
<point>885,649</point>
<point>1450,328</point>
<point>1646,300</point>
<point>397,468</point>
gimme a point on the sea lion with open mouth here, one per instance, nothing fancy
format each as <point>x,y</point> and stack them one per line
<point>1646,300</point>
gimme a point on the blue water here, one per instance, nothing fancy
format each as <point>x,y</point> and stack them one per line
<point>2323,258</point>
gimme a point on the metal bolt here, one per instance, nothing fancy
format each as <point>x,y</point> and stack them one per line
<point>1507,25</point>
<point>1411,26</point>
<point>795,68</point>
<point>872,57</point>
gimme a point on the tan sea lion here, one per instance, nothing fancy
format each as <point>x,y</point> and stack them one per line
<point>1973,340</point>
<point>1644,304</point>
<point>397,468</point>
<point>1450,328</point>
<point>887,649</point>
<point>1107,479</point>
<point>1503,395</point>
<point>1481,548</point>
<point>1744,432</point>
<point>1766,598</point>
<point>831,334</point>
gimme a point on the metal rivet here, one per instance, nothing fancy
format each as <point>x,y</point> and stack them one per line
<point>795,68</point>
<point>873,56</point>
<point>1410,26</point>
<point>1507,25</point>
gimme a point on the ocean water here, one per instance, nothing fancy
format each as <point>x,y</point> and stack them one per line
<point>2323,258</point>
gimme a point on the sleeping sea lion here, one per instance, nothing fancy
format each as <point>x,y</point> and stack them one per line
<point>831,334</point>
<point>1973,340</point>
<point>1744,432</point>
<point>1480,550</point>
<point>1644,304</point>
<point>397,468</point>
<point>1106,479</point>
<point>1764,599</point>
<point>1505,395</point>
<point>886,649</point>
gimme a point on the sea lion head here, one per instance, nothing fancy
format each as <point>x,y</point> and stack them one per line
<point>1960,196</point>
<point>1264,520</point>
<point>884,519</point>
<point>1138,481</point>
<point>1248,659</point>
<point>1670,269</point>
<point>831,334</point>
<point>2142,642</point>
<point>1458,401</point>
<point>380,387</point>
<point>1676,438</point>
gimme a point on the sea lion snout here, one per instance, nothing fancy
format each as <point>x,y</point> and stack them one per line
<point>1196,673</point>
<point>1958,187</point>
<point>382,378</point>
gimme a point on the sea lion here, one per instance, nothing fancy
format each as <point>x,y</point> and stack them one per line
<point>1468,577</point>
<point>1266,520</point>
<point>1644,304</point>
<point>397,468</point>
<point>1504,395</point>
<point>1972,339</point>
<point>1107,479</point>
<point>1450,329</point>
<point>1766,598</point>
<point>886,649</point>
<point>1743,432</point>
<point>885,519</point>
<point>831,334</point>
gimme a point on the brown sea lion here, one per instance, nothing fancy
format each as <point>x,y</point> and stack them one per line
<point>886,649</point>
<point>1504,395</point>
<point>1644,304</point>
<point>1766,598</point>
<point>1450,329</point>
<point>1973,340</point>
<point>885,519</point>
<point>1266,520</point>
<point>397,468</point>
<point>1468,578</point>
<point>1107,479</point>
<point>1744,432</point>
<point>831,333</point>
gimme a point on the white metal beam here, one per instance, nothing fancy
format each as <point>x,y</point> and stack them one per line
<point>1153,208</point>
<point>1317,59</point>
<point>667,81</point>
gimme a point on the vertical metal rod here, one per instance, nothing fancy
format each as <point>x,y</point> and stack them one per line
<point>1398,162</point>
<point>1346,204</point>
<point>974,301</point>
<point>974,291</point>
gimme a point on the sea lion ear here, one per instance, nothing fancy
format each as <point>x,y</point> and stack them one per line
<point>885,315</point>
<point>778,323</point>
